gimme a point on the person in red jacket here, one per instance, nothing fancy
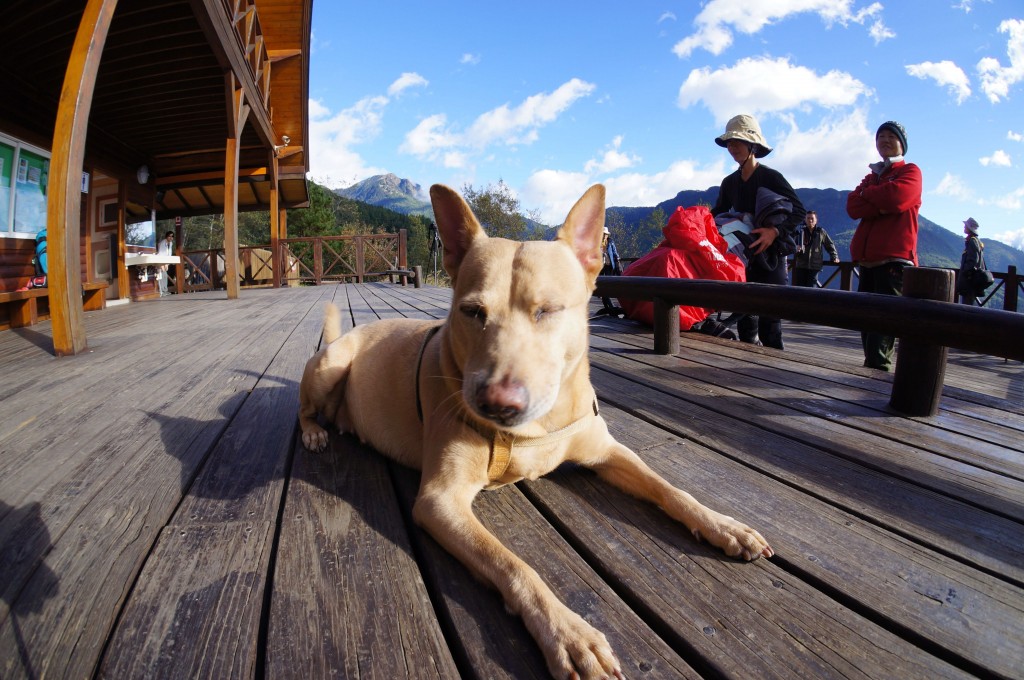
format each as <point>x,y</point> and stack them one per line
<point>886,202</point>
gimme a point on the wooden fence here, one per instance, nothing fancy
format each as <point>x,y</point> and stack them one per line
<point>306,260</point>
<point>1010,282</point>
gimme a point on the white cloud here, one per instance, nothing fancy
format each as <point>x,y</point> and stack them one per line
<point>997,79</point>
<point>1011,201</point>
<point>944,73</point>
<point>428,136</point>
<point>471,59</point>
<point>879,31</point>
<point>953,186</point>
<point>404,82</point>
<point>1011,238</point>
<point>967,5</point>
<point>833,154</point>
<point>504,125</point>
<point>611,160</point>
<point>1000,158</point>
<point>1014,136</point>
<point>554,192</point>
<point>763,85</point>
<point>332,160</point>
<point>720,18</point>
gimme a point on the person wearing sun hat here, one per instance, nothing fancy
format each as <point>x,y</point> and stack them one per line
<point>738,193</point>
<point>972,259</point>
<point>886,202</point>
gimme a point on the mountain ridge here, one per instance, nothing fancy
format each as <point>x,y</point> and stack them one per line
<point>937,246</point>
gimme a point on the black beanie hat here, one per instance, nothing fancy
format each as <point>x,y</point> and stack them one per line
<point>897,130</point>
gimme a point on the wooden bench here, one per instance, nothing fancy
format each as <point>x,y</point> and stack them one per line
<point>22,307</point>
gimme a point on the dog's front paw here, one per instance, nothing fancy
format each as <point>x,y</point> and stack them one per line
<point>734,538</point>
<point>575,649</point>
<point>314,437</point>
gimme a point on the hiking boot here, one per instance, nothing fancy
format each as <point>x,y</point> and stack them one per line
<point>719,330</point>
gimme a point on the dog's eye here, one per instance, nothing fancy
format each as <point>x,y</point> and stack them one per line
<point>543,312</point>
<point>476,312</point>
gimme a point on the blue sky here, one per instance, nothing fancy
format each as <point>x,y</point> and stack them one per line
<point>551,97</point>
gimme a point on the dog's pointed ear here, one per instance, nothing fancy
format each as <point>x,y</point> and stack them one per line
<point>583,229</point>
<point>456,225</point>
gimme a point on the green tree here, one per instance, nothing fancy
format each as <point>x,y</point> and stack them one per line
<point>319,218</point>
<point>498,210</point>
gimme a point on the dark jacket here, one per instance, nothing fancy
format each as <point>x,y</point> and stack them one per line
<point>971,259</point>
<point>735,195</point>
<point>813,241</point>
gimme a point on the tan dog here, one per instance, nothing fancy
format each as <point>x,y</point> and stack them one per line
<point>497,393</point>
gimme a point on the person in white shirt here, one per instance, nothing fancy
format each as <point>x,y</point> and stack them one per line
<point>164,247</point>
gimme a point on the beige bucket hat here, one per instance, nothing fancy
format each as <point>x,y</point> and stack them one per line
<point>745,128</point>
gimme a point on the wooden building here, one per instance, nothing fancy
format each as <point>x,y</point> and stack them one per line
<point>117,113</point>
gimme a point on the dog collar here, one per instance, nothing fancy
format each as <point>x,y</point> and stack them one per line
<point>502,442</point>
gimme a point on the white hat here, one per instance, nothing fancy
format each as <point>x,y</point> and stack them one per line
<point>745,128</point>
<point>971,225</point>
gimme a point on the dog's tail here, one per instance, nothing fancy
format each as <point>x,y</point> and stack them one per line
<point>332,323</point>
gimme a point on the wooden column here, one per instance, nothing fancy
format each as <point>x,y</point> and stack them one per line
<point>275,224</point>
<point>920,366</point>
<point>63,205</point>
<point>124,283</point>
<point>666,327</point>
<point>239,111</point>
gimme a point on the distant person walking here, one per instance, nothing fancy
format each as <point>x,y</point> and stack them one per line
<point>164,247</point>
<point>738,193</point>
<point>972,260</point>
<point>886,202</point>
<point>808,259</point>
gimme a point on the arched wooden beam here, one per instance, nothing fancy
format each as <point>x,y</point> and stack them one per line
<point>63,206</point>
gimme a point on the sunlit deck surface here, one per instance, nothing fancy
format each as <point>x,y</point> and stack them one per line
<point>159,519</point>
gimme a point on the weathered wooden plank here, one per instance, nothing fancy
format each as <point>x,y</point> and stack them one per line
<point>985,539</point>
<point>348,599</point>
<point>497,644</point>
<point>780,422</point>
<point>199,578</point>
<point>886,574</point>
<point>65,585</point>
<point>240,484</point>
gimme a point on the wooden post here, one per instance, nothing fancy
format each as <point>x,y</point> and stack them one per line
<point>275,224</point>
<point>846,277</point>
<point>666,327</point>
<point>417,276</point>
<point>124,282</point>
<point>1010,288</point>
<point>63,205</point>
<point>238,113</point>
<point>921,367</point>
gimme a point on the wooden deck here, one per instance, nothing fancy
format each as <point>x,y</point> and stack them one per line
<point>159,519</point>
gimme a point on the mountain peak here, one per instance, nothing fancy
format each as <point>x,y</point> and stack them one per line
<point>389,191</point>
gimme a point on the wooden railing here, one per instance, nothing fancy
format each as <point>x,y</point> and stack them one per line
<point>246,21</point>
<point>305,260</point>
<point>1010,282</point>
<point>917,322</point>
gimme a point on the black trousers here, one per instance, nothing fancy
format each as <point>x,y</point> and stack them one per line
<point>886,279</point>
<point>753,327</point>
<point>808,278</point>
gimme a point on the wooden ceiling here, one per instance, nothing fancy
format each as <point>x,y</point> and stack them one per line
<point>161,96</point>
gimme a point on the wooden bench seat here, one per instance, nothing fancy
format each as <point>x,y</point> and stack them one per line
<point>22,307</point>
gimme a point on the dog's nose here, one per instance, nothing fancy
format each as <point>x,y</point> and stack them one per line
<point>503,401</point>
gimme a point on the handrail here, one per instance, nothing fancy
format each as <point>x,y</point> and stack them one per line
<point>988,331</point>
